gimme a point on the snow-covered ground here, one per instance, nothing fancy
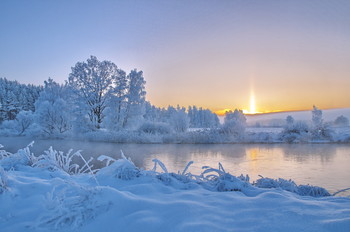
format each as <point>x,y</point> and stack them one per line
<point>270,118</point>
<point>44,194</point>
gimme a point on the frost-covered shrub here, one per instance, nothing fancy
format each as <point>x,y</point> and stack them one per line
<point>341,121</point>
<point>9,128</point>
<point>23,124</point>
<point>3,153</point>
<point>82,125</point>
<point>323,132</point>
<point>181,180</point>
<point>223,181</point>
<point>155,128</point>
<point>289,185</point>
<point>123,169</point>
<point>234,124</point>
<point>24,120</point>
<point>314,191</point>
<point>70,208</point>
<point>57,160</point>
<point>21,157</point>
<point>54,117</point>
<point>295,131</point>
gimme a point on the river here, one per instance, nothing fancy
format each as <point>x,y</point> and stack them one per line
<point>325,165</point>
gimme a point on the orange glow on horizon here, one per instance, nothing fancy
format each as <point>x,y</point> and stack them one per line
<point>222,112</point>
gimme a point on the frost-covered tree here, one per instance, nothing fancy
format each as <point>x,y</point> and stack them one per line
<point>135,100</point>
<point>317,117</point>
<point>234,123</point>
<point>320,130</point>
<point>10,106</point>
<point>152,113</point>
<point>116,110</point>
<point>202,118</point>
<point>53,114</point>
<point>93,83</point>
<point>289,120</point>
<point>15,97</point>
<point>341,121</point>
<point>178,119</point>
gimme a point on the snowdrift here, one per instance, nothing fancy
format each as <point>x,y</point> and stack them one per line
<point>63,192</point>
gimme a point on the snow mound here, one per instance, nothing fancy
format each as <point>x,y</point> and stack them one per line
<point>36,194</point>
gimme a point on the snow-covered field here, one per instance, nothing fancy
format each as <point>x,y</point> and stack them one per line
<point>49,194</point>
<point>329,115</point>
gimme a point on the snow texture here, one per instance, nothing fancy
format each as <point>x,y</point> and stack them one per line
<point>121,196</point>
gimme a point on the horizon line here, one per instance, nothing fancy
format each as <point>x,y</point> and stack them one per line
<point>275,111</point>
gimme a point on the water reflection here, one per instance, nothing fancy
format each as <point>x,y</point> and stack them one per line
<point>303,152</point>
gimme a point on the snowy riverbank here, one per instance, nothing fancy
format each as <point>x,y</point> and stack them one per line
<point>47,193</point>
<point>257,135</point>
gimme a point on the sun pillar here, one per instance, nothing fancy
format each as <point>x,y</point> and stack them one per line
<point>252,109</point>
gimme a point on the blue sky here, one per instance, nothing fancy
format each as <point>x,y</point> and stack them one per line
<point>290,54</point>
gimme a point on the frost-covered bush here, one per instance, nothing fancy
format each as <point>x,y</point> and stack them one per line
<point>289,185</point>
<point>324,132</point>
<point>313,191</point>
<point>8,128</point>
<point>3,153</point>
<point>57,160</point>
<point>155,128</point>
<point>24,120</point>
<point>341,121</point>
<point>54,117</point>
<point>21,157</point>
<point>180,180</point>
<point>223,181</point>
<point>234,123</point>
<point>123,169</point>
<point>20,125</point>
<point>71,207</point>
<point>295,132</point>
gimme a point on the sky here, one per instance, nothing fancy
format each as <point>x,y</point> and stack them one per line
<point>281,55</point>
